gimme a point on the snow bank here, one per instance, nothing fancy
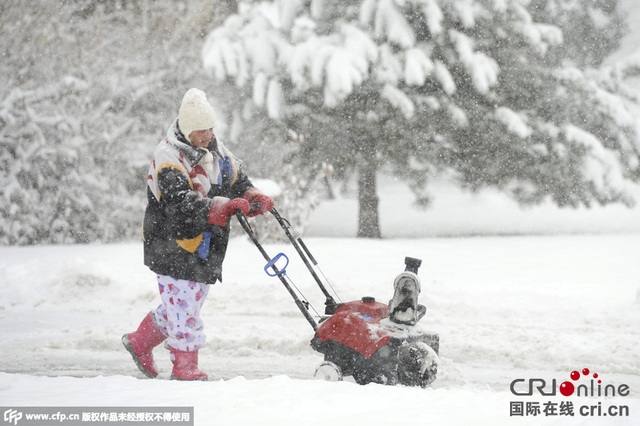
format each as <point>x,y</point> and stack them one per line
<point>278,400</point>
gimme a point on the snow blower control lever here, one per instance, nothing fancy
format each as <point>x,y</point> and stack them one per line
<point>301,303</point>
<point>270,265</point>
<point>330,303</point>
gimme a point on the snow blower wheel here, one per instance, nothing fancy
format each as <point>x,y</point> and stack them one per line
<point>329,371</point>
<point>417,364</point>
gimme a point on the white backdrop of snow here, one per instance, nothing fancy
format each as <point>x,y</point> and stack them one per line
<point>506,305</point>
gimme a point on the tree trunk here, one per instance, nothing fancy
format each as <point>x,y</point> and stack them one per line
<point>368,219</point>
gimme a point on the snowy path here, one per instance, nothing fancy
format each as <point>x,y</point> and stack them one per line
<point>505,307</point>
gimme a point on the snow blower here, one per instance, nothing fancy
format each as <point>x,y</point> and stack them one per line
<point>371,341</point>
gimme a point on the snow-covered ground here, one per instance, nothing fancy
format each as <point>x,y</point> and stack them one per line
<point>514,294</point>
<point>506,306</point>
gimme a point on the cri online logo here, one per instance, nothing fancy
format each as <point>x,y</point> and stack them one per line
<point>567,388</point>
<point>592,388</point>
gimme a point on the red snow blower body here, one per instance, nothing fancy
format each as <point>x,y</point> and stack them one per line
<point>360,340</point>
<point>371,341</point>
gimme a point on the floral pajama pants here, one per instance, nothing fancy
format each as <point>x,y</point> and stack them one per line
<point>178,316</point>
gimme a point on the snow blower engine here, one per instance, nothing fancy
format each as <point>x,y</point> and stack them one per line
<point>371,341</point>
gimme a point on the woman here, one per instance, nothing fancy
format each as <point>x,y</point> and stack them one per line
<point>193,187</point>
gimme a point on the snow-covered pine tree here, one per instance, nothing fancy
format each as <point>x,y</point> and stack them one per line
<point>432,86</point>
<point>523,139</point>
<point>90,88</point>
<point>592,29</point>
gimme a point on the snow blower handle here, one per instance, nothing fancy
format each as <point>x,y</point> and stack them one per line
<point>302,305</point>
<point>330,303</point>
<point>306,250</point>
<point>254,209</point>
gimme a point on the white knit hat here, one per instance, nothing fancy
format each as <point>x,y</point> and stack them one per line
<point>196,113</point>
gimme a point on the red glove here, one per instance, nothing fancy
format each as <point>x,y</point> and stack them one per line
<point>222,208</point>
<point>260,202</point>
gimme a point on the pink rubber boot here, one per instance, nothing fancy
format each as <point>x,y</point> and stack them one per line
<point>185,366</point>
<point>140,345</point>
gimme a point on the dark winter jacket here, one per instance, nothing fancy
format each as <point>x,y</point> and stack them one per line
<point>178,240</point>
